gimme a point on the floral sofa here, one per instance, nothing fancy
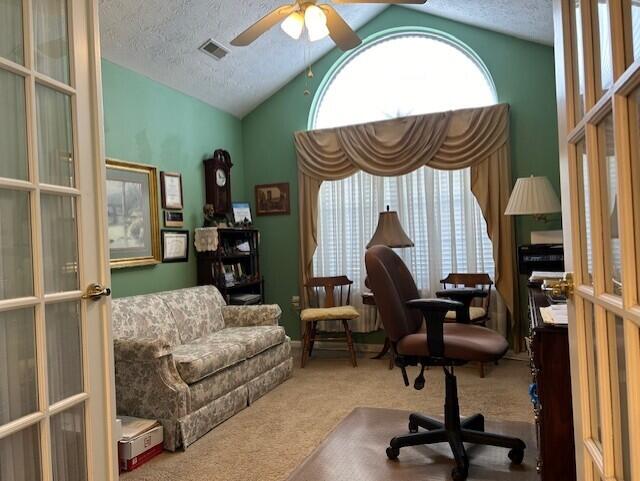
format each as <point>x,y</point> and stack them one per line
<point>187,359</point>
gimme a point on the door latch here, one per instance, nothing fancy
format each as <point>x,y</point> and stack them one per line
<point>96,291</point>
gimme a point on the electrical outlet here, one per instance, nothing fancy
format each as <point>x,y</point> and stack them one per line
<point>295,302</point>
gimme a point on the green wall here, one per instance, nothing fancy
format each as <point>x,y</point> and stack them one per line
<point>523,73</point>
<point>149,123</point>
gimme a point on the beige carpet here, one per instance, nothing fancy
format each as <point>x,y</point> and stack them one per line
<point>268,440</point>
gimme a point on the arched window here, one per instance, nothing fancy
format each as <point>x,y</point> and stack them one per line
<point>400,73</point>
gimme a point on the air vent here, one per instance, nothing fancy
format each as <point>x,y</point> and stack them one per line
<point>214,50</point>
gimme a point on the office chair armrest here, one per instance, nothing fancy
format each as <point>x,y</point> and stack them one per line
<point>434,312</point>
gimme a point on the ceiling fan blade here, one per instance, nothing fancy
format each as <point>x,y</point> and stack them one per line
<point>339,30</point>
<point>415,2</point>
<point>262,25</point>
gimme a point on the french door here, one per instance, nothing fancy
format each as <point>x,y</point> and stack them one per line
<point>56,395</point>
<point>597,44</point>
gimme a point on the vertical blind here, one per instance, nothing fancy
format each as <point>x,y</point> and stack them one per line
<point>437,210</point>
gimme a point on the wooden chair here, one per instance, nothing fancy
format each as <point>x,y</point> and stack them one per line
<point>478,313</point>
<point>329,299</point>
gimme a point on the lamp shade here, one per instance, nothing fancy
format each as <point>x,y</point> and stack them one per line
<point>533,196</point>
<point>390,232</point>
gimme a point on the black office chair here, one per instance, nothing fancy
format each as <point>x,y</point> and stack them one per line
<point>444,344</point>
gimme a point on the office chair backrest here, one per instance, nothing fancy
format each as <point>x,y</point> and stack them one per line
<point>393,285</point>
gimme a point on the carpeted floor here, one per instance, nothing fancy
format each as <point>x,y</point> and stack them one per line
<point>268,440</point>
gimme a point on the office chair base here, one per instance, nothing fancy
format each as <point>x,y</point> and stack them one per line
<point>456,432</point>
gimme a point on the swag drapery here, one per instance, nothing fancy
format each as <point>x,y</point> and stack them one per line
<point>477,138</point>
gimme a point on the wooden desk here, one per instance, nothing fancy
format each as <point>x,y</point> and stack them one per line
<point>548,347</point>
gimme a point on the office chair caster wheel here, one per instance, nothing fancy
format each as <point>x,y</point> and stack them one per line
<point>393,453</point>
<point>459,474</point>
<point>516,455</point>
<point>413,427</point>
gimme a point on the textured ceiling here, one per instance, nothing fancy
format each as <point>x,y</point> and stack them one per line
<point>528,19</point>
<point>160,39</point>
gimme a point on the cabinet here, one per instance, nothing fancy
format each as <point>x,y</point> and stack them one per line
<point>234,268</point>
<point>551,393</point>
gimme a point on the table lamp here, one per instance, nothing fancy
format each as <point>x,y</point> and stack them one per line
<point>535,196</point>
<point>390,232</point>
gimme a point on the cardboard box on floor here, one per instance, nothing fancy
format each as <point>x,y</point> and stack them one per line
<point>141,440</point>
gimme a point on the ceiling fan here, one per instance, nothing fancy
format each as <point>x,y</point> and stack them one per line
<point>320,20</point>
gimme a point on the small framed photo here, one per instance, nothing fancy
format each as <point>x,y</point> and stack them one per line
<point>175,245</point>
<point>171,190</point>
<point>173,219</point>
<point>273,199</point>
<point>241,212</point>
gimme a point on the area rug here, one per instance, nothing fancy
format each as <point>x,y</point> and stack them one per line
<point>355,451</point>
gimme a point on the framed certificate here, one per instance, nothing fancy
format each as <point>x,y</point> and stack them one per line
<point>175,245</point>
<point>171,190</point>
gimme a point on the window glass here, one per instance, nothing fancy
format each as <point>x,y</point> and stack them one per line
<point>446,77</point>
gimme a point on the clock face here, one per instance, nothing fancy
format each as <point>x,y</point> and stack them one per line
<point>221,178</point>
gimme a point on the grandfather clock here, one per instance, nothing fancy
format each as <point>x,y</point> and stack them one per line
<point>217,180</point>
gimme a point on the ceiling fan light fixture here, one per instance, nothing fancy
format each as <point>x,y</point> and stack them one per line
<point>293,25</point>
<point>316,21</point>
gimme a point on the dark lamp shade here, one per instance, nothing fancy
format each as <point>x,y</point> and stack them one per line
<point>389,232</point>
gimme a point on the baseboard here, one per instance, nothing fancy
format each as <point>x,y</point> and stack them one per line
<point>375,348</point>
<point>332,346</point>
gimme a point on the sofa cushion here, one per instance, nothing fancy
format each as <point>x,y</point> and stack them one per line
<point>143,317</point>
<point>196,310</point>
<point>205,357</point>
<point>255,339</point>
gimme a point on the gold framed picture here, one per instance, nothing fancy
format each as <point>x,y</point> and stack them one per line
<point>132,212</point>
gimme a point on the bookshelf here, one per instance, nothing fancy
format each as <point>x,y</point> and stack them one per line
<point>235,267</point>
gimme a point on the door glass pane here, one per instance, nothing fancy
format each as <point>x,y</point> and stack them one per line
<point>592,368</point>
<point>20,456</point>
<point>578,58</point>
<point>55,137</point>
<point>51,38</point>
<point>585,212</point>
<point>606,58</point>
<point>64,350</point>
<point>18,385</point>
<point>68,454</point>
<point>59,243</point>
<point>11,39</point>
<point>610,205</point>
<point>616,328</point>
<point>635,24</point>
<point>16,275</point>
<point>13,125</point>
<point>634,128</point>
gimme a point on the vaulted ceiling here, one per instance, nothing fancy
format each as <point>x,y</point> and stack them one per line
<point>160,39</point>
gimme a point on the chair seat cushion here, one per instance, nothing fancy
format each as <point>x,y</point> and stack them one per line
<point>205,357</point>
<point>474,313</point>
<point>462,342</point>
<point>255,339</point>
<point>338,313</point>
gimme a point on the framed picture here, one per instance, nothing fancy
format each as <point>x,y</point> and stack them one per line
<point>173,219</point>
<point>132,212</point>
<point>272,199</point>
<point>175,245</point>
<point>171,190</point>
<point>241,212</point>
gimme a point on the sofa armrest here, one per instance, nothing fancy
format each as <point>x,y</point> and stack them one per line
<point>244,316</point>
<point>147,382</point>
<point>140,349</point>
